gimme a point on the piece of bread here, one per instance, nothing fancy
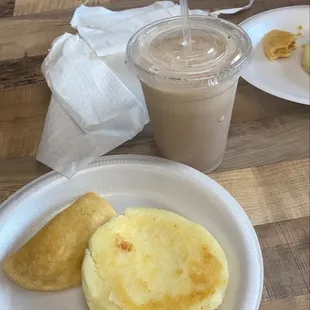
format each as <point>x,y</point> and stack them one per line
<point>279,44</point>
<point>51,260</point>
<point>151,259</point>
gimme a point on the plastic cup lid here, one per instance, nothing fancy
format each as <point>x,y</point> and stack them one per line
<point>220,50</point>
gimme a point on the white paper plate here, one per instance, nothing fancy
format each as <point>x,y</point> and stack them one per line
<point>130,181</point>
<point>283,78</point>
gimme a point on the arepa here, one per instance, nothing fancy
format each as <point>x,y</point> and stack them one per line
<point>151,259</point>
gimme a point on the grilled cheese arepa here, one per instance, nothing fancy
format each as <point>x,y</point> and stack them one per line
<point>51,260</point>
<point>149,259</point>
<point>279,44</point>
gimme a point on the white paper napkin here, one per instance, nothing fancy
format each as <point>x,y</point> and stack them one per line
<point>113,30</point>
<point>77,129</point>
<point>96,104</point>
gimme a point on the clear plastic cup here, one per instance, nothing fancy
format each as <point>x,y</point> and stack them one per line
<point>190,97</point>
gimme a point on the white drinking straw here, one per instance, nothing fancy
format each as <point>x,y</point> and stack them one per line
<point>187,39</point>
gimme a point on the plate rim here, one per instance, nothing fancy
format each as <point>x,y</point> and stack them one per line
<point>260,85</point>
<point>183,169</point>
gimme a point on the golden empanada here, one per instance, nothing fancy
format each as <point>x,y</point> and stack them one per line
<point>51,260</point>
<point>279,44</point>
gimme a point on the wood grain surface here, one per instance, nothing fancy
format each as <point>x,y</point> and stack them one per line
<point>266,165</point>
<point>270,193</point>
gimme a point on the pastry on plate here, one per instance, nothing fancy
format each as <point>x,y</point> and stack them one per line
<point>306,57</point>
<point>149,259</point>
<point>279,44</point>
<point>51,260</point>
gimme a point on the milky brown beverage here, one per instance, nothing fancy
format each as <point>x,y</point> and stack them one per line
<point>190,97</point>
<point>191,126</point>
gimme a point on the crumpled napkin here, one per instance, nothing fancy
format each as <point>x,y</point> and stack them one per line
<point>96,104</point>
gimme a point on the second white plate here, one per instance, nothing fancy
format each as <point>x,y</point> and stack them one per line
<point>283,78</point>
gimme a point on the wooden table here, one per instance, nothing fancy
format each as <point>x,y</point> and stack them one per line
<point>266,166</point>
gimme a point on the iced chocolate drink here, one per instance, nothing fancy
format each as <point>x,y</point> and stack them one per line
<point>190,97</point>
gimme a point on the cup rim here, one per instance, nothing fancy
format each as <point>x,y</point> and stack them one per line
<point>142,73</point>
